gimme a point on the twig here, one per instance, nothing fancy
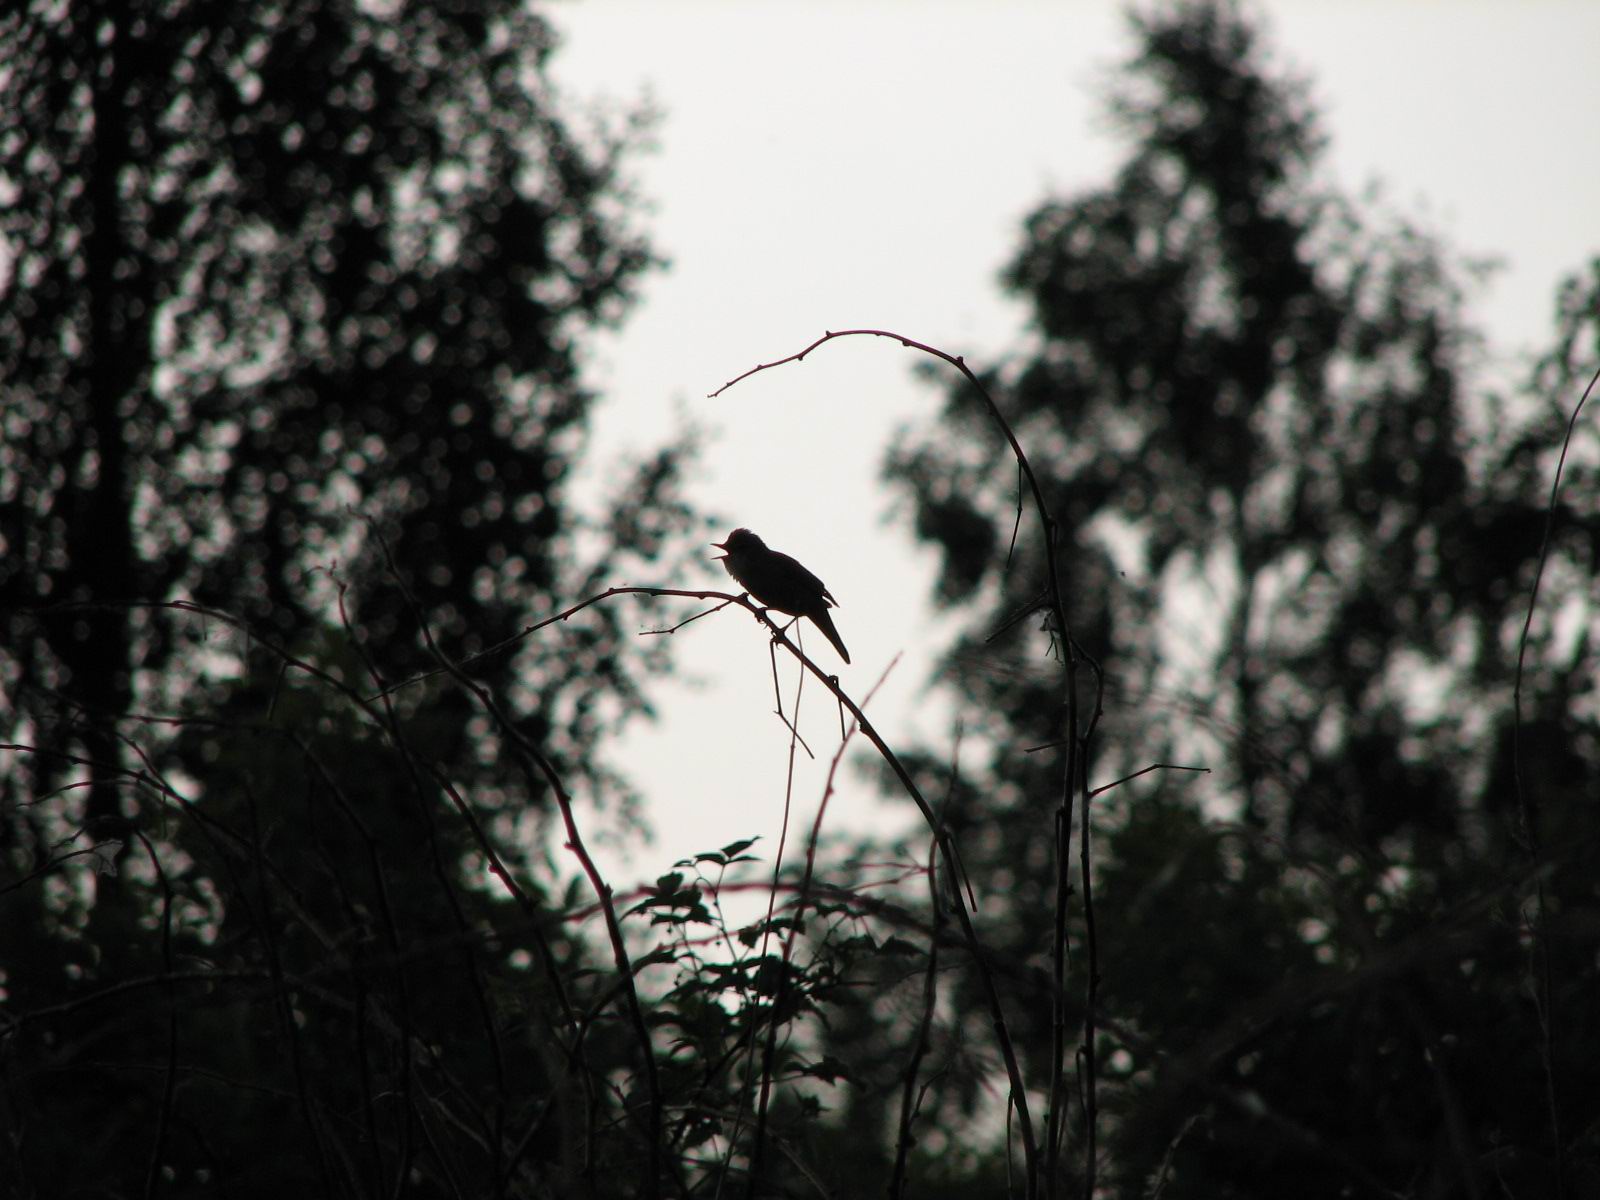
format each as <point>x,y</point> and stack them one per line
<point>164,1122</point>
<point>919,1045</point>
<point>780,993</point>
<point>534,762</point>
<point>1530,829</point>
<point>1072,772</point>
<point>1106,787</point>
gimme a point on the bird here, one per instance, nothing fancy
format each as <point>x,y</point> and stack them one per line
<point>778,581</point>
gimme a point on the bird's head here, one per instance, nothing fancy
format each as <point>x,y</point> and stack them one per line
<point>741,542</point>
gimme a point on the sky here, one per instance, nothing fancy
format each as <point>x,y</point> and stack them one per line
<point>868,164</point>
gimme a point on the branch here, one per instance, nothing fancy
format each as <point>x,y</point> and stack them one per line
<point>1073,769</point>
<point>1530,829</point>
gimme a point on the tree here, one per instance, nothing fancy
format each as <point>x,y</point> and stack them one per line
<point>1299,543</point>
<point>283,270</point>
<point>292,297</point>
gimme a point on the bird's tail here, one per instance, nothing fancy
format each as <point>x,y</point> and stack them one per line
<point>824,622</point>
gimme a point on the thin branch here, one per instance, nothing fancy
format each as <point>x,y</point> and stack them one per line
<point>1145,771</point>
<point>1530,826</point>
<point>164,1122</point>
<point>781,992</point>
<point>909,1096</point>
<point>533,762</point>
<point>1072,771</point>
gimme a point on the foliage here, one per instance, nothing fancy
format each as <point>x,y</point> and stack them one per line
<point>279,276</point>
<point>1299,543</point>
<point>291,303</point>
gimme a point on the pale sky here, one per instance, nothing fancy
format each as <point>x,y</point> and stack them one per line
<point>830,165</point>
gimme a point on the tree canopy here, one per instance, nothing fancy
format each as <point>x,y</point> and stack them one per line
<point>1298,538</point>
<point>1261,867</point>
<point>290,310</point>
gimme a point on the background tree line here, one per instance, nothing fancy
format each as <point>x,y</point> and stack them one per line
<point>289,320</point>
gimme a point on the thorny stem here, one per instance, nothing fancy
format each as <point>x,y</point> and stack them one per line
<point>1071,775</point>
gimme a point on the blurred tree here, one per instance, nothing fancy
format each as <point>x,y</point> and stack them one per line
<point>1302,546</point>
<point>273,271</point>
<point>274,279</point>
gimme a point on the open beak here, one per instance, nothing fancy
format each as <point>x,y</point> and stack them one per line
<point>720,546</point>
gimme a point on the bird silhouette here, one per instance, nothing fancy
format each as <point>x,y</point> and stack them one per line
<point>778,581</point>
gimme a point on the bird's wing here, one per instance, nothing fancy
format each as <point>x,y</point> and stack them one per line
<point>797,578</point>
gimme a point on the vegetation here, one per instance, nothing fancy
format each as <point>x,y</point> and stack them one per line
<point>1261,867</point>
<point>291,401</point>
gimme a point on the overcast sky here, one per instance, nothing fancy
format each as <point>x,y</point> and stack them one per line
<point>829,165</point>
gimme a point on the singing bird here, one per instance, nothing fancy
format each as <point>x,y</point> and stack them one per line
<point>778,581</point>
